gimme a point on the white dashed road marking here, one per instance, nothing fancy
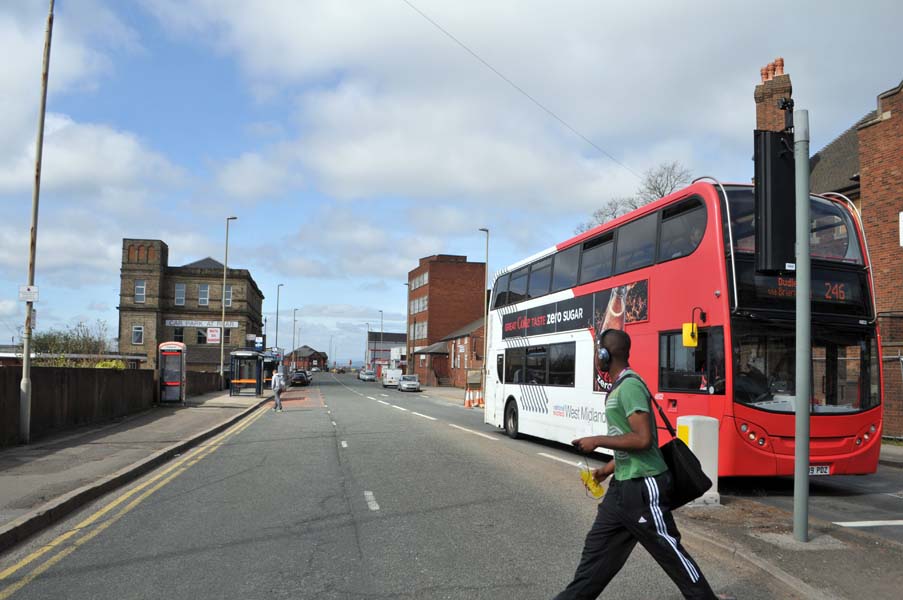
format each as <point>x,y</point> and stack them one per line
<point>371,501</point>
<point>424,416</point>
<point>384,395</point>
<point>370,398</point>
<point>488,437</point>
<point>868,523</point>
<point>333,423</point>
<point>561,460</point>
<point>344,444</point>
<point>399,408</point>
<point>384,402</point>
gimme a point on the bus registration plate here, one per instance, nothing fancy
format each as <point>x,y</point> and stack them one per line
<point>819,470</point>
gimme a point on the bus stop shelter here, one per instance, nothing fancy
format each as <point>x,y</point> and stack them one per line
<point>247,372</point>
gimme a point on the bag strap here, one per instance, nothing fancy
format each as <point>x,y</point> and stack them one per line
<point>661,413</point>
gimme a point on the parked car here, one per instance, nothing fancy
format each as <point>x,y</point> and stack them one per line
<point>391,377</point>
<point>409,383</point>
<point>316,369</point>
<point>300,378</point>
<point>367,375</point>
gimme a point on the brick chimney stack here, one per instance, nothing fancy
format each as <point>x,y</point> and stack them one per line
<point>775,85</point>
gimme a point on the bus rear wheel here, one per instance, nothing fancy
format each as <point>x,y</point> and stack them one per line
<point>511,420</point>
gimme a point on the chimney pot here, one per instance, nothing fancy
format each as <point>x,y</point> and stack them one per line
<point>764,73</point>
<point>770,71</point>
<point>779,66</point>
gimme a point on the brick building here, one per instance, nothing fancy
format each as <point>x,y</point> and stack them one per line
<point>445,293</point>
<point>465,352</point>
<point>864,163</point>
<point>159,303</point>
<point>305,358</point>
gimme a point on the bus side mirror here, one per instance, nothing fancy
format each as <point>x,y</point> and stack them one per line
<point>690,335</point>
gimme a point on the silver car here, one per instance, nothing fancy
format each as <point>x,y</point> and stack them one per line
<point>409,383</point>
<point>367,375</point>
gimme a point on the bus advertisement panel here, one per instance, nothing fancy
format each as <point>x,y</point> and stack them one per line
<point>687,260</point>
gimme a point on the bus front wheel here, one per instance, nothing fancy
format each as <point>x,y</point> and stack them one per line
<point>511,420</point>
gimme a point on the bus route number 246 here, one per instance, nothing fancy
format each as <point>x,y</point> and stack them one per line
<point>563,316</point>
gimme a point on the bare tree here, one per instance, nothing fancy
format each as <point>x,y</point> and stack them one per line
<point>656,183</point>
<point>90,342</point>
<point>660,181</point>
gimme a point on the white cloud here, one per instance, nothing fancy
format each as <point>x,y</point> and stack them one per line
<point>9,308</point>
<point>253,177</point>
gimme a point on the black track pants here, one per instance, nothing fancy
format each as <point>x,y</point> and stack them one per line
<point>635,510</point>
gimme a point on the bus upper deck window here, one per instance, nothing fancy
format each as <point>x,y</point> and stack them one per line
<point>540,276</point>
<point>596,261</point>
<point>500,292</point>
<point>564,272</point>
<point>682,229</point>
<point>636,244</point>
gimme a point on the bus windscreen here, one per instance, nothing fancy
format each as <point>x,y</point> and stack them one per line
<point>844,368</point>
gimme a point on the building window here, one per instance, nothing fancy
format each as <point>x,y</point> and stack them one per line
<point>227,336</point>
<point>227,295</point>
<point>138,334</point>
<point>180,294</point>
<point>178,334</point>
<point>420,304</point>
<point>420,331</point>
<point>203,294</point>
<point>140,289</point>
<point>202,335</point>
<point>420,280</point>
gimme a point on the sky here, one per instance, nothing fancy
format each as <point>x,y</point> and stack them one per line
<point>352,137</point>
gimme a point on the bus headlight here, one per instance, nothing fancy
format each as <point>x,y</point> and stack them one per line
<point>744,427</point>
<point>858,441</point>
<point>761,441</point>
<point>873,429</point>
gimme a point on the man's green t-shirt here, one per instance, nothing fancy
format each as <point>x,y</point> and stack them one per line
<point>627,398</point>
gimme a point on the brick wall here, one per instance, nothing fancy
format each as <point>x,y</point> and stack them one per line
<point>881,187</point>
<point>471,358</point>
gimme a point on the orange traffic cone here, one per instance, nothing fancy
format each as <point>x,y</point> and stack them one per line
<point>480,399</point>
<point>467,401</point>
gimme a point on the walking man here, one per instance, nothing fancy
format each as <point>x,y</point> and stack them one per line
<point>277,385</point>
<point>636,507</point>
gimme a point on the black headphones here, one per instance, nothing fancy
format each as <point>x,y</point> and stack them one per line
<point>604,354</point>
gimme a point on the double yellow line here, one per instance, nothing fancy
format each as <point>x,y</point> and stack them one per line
<point>68,542</point>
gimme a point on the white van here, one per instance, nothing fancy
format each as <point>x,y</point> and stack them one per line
<point>391,377</point>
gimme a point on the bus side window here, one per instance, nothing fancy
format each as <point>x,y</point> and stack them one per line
<point>500,366</point>
<point>682,230</point>
<point>500,293</point>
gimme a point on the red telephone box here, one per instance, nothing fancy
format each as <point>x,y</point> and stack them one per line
<point>172,372</point>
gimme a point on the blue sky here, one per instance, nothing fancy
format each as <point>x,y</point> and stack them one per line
<point>352,138</point>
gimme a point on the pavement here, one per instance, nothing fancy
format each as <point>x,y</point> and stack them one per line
<point>43,482</point>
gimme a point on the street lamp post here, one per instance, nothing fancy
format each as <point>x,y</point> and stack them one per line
<point>276,343</point>
<point>222,322</point>
<point>25,384</point>
<point>485,321</point>
<point>380,333</point>
<point>410,333</point>
<point>367,348</point>
<point>294,329</point>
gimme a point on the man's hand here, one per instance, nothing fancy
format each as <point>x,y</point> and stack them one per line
<point>585,445</point>
<point>600,474</point>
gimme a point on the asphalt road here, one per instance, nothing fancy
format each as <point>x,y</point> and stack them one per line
<point>870,503</point>
<point>351,492</point>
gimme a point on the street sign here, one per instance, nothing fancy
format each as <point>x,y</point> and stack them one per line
<point>213,335</point>
<point>28,293</point>
<point>258,344</point>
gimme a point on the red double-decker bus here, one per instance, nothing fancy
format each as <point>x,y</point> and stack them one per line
<point>689,258</point>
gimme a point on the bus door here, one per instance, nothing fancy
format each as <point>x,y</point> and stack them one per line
<point>498,400</point>
<point>691,378</point>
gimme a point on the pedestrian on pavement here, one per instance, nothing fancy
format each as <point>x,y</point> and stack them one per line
<point>636,507</point>
<point>278,384</point>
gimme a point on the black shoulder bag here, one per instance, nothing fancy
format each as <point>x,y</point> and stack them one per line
<point>689,480</point>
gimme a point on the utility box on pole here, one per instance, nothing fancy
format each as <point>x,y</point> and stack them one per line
<point>774,194</point>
